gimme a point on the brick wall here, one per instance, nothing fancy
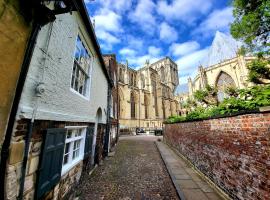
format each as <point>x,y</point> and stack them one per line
<point>234,152</point>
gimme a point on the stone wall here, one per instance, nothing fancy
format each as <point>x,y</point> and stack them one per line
<point>68,180</point>
<point>14,36</point>
<point>233,152</point>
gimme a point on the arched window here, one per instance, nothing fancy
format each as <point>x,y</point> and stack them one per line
<point>154,88</point>
<point>146,106</point>
<point>143,81</point>
<point>163,109</point>
<point>162,74</point>
<point>223,82</point>
<point>132,105</point>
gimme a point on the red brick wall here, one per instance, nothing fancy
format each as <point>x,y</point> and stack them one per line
<point>234,152</point>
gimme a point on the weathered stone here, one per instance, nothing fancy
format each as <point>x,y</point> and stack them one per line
<point>11,183</point>
<point>36,148</point>
<point>33,166</point>
<point>16,152</point>
<point>28,183</point>
<point>29,195</point>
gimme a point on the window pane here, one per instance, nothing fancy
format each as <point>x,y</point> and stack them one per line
<point>69,133</point>
<point>81,68</point>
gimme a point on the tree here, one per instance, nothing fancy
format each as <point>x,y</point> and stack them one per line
<point>252,23</point>
<point>259,71</point>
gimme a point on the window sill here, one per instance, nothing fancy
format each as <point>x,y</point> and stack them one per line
<point>68,167</point>
<point>77,93</point>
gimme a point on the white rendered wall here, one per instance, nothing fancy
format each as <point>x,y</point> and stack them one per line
<point>59,102</point>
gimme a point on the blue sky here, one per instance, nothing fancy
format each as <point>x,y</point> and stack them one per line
<point>136,30</point>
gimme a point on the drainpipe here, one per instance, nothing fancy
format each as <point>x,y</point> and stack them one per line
<point>107,136</point>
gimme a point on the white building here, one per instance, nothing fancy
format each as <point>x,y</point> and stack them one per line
<point>63,109</point>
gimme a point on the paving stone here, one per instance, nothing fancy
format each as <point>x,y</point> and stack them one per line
<point>204,186</point>
<point>178,171</point>
<point>212,196</point>
<point>128,175</point>
<point>180,176</point>
<point>188,181</point>
<point>187,184</point>
<point>194,194</point>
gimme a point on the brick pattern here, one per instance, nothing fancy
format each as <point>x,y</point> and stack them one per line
<point>233,152</point>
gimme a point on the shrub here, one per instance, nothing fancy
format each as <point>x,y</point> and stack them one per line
<point>240,100</point>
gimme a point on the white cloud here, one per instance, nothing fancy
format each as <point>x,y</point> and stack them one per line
<point>119,6</point>
<point>127,52</point>
<point>188,64</point>
<point>108,20</point>
<point>184,10</point>
<point>139,61</point>
<point>180,49</point>
<point>167,33</point>
<point>108,40</point>
<point>143,15</point>
<point>217,20</point>
<point>155,51</point>
<point>134,42</point>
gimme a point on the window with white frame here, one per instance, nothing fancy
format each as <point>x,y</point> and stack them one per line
<point>81,69</point>
<point>74,147</point>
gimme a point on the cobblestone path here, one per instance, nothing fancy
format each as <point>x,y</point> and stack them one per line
<point>136,172</point>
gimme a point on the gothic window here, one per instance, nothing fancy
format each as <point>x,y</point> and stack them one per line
<point>130,79</point>
<point>172,74</point>
<point>162,73</point>
<point>146,105</point>
<point>155,95</point>
<point>121,75</point>
<point>224,81</point>
<point>163,109</point>
<point>143,81</point>
<point>132,105</point>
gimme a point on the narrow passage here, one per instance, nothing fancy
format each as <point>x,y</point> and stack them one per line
<point>135,172</point>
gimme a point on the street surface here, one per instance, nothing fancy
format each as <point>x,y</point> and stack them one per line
<point>135,172</point>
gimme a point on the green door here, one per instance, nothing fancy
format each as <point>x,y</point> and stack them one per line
<point>50,165</point>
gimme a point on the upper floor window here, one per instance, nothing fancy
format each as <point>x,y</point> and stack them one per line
<point>81,69</point>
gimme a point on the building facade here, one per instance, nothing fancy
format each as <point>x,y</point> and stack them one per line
<point>61,120</point>
<point>146,95</point>
<point>223,67</point>
<point>111,64</point>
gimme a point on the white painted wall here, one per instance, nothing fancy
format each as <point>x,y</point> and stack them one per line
<point>58,101</point>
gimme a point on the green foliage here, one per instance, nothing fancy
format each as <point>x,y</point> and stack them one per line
<point>258,70</point>
<point>252,22</point>
<point>175,119</point>
<point>239,100</point>
<point>207,96</point>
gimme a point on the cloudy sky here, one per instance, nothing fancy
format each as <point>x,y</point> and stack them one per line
<point>136,30</point>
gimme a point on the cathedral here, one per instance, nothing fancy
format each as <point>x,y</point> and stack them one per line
<point>146,95</point>
<point>223,68</point>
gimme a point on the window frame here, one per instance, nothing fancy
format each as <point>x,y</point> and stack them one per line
<point>71,141</point>
<point>90,70</point>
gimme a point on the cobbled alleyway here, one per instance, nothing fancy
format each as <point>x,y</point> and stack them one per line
<point>136,172</point>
